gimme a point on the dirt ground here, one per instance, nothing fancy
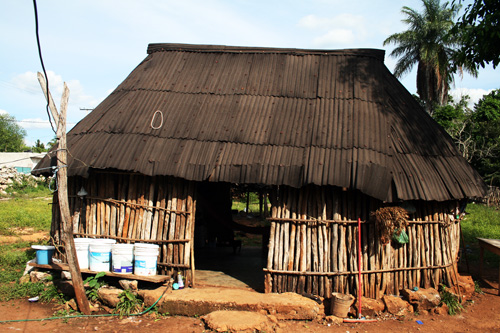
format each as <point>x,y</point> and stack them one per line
<point>480,315</point>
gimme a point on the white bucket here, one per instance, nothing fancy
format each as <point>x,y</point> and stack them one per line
<point>100,254</point>
<point>82,251</point>
<point>123,258</point>
<point>146,257</point>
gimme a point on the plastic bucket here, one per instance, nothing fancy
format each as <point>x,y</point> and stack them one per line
<point>43,254</point>
<point>100,255</point>
<point>82,251</point>
<point>123,258</point>
<point>146,257</point>
<point>341,304</point>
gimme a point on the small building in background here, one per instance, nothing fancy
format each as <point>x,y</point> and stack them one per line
<point>22,162</point>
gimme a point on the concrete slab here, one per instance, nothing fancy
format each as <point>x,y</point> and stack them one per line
<point>202,301</point>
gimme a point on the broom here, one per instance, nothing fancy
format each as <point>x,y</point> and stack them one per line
<point>360,319</point>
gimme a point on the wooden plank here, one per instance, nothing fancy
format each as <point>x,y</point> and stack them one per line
<point>64,267</point>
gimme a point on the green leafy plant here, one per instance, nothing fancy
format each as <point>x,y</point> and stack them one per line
<point>128,304</point>
<point>94,283</point>
<point>451,300</point>
<point>50,293</point>
<point>477,288</point>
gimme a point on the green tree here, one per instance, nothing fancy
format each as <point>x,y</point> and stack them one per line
<point>476,132</point>
<point>486,132</point>
<point>428,44</point>
<point>39,147</point>
<point>456,119</point>
<point>51,143</point>
<point>480,30</point>
<point>11,134</point>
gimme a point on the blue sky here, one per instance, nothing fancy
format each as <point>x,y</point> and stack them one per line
<point>93,45</point>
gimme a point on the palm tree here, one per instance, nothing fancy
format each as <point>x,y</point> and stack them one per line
<point>429,44</point>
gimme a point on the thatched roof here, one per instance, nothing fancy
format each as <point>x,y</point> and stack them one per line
<point>273,116</point>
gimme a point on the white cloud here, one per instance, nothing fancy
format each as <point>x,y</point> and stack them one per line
<point>28,83</point>
<point>34,123</point>
<point>339,21</point>
<point>335,36</point>
<point>474,94</point>
<point>342,29</point>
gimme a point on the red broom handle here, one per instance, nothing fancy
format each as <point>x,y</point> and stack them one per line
<point>359,267</point>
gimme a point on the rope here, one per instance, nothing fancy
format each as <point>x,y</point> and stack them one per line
<point>154,117</point>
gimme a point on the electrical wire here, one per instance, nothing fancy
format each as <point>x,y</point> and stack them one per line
<point>43,66</point>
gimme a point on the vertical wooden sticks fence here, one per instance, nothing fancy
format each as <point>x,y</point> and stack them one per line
<point>313,241</point>
<point>133,208</point>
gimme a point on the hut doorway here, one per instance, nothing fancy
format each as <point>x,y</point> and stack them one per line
<point>228,249</point>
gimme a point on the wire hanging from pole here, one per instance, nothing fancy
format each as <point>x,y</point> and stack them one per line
<point>43,65</point>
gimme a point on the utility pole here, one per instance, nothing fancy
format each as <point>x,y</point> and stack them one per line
<point>62,194</point>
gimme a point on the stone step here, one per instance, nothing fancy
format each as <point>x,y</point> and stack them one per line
<point>202,301</point>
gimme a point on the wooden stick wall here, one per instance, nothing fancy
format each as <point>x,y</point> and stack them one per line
<point>313,245</point>
<point>133,208</point>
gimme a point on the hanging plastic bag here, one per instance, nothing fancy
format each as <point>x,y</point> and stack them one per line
<point>401,237</point>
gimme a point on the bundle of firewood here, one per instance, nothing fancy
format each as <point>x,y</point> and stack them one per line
<point>390,221</point>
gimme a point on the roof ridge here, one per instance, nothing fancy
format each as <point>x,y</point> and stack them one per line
<point>365,52</point>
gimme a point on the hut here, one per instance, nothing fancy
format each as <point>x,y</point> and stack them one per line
<point>333,135</point>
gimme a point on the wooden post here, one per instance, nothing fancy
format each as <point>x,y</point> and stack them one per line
<point>62,194</point>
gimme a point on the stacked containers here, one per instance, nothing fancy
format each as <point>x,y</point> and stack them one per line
<point>104,255</point>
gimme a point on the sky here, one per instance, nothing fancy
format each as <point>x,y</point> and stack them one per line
<point>93,45</point>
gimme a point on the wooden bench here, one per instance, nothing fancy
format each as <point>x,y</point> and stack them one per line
<point>64,267</point>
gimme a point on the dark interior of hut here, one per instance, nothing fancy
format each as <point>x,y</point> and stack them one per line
<point>230,246</point>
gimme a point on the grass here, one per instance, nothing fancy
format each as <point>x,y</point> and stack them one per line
<point>483,222</point>
<point>25,208</point>
<point>13,259</point>
<point>240,203</point>
<point>25,212</point>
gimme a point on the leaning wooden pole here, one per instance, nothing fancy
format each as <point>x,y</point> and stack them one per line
<point>62,194</point>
